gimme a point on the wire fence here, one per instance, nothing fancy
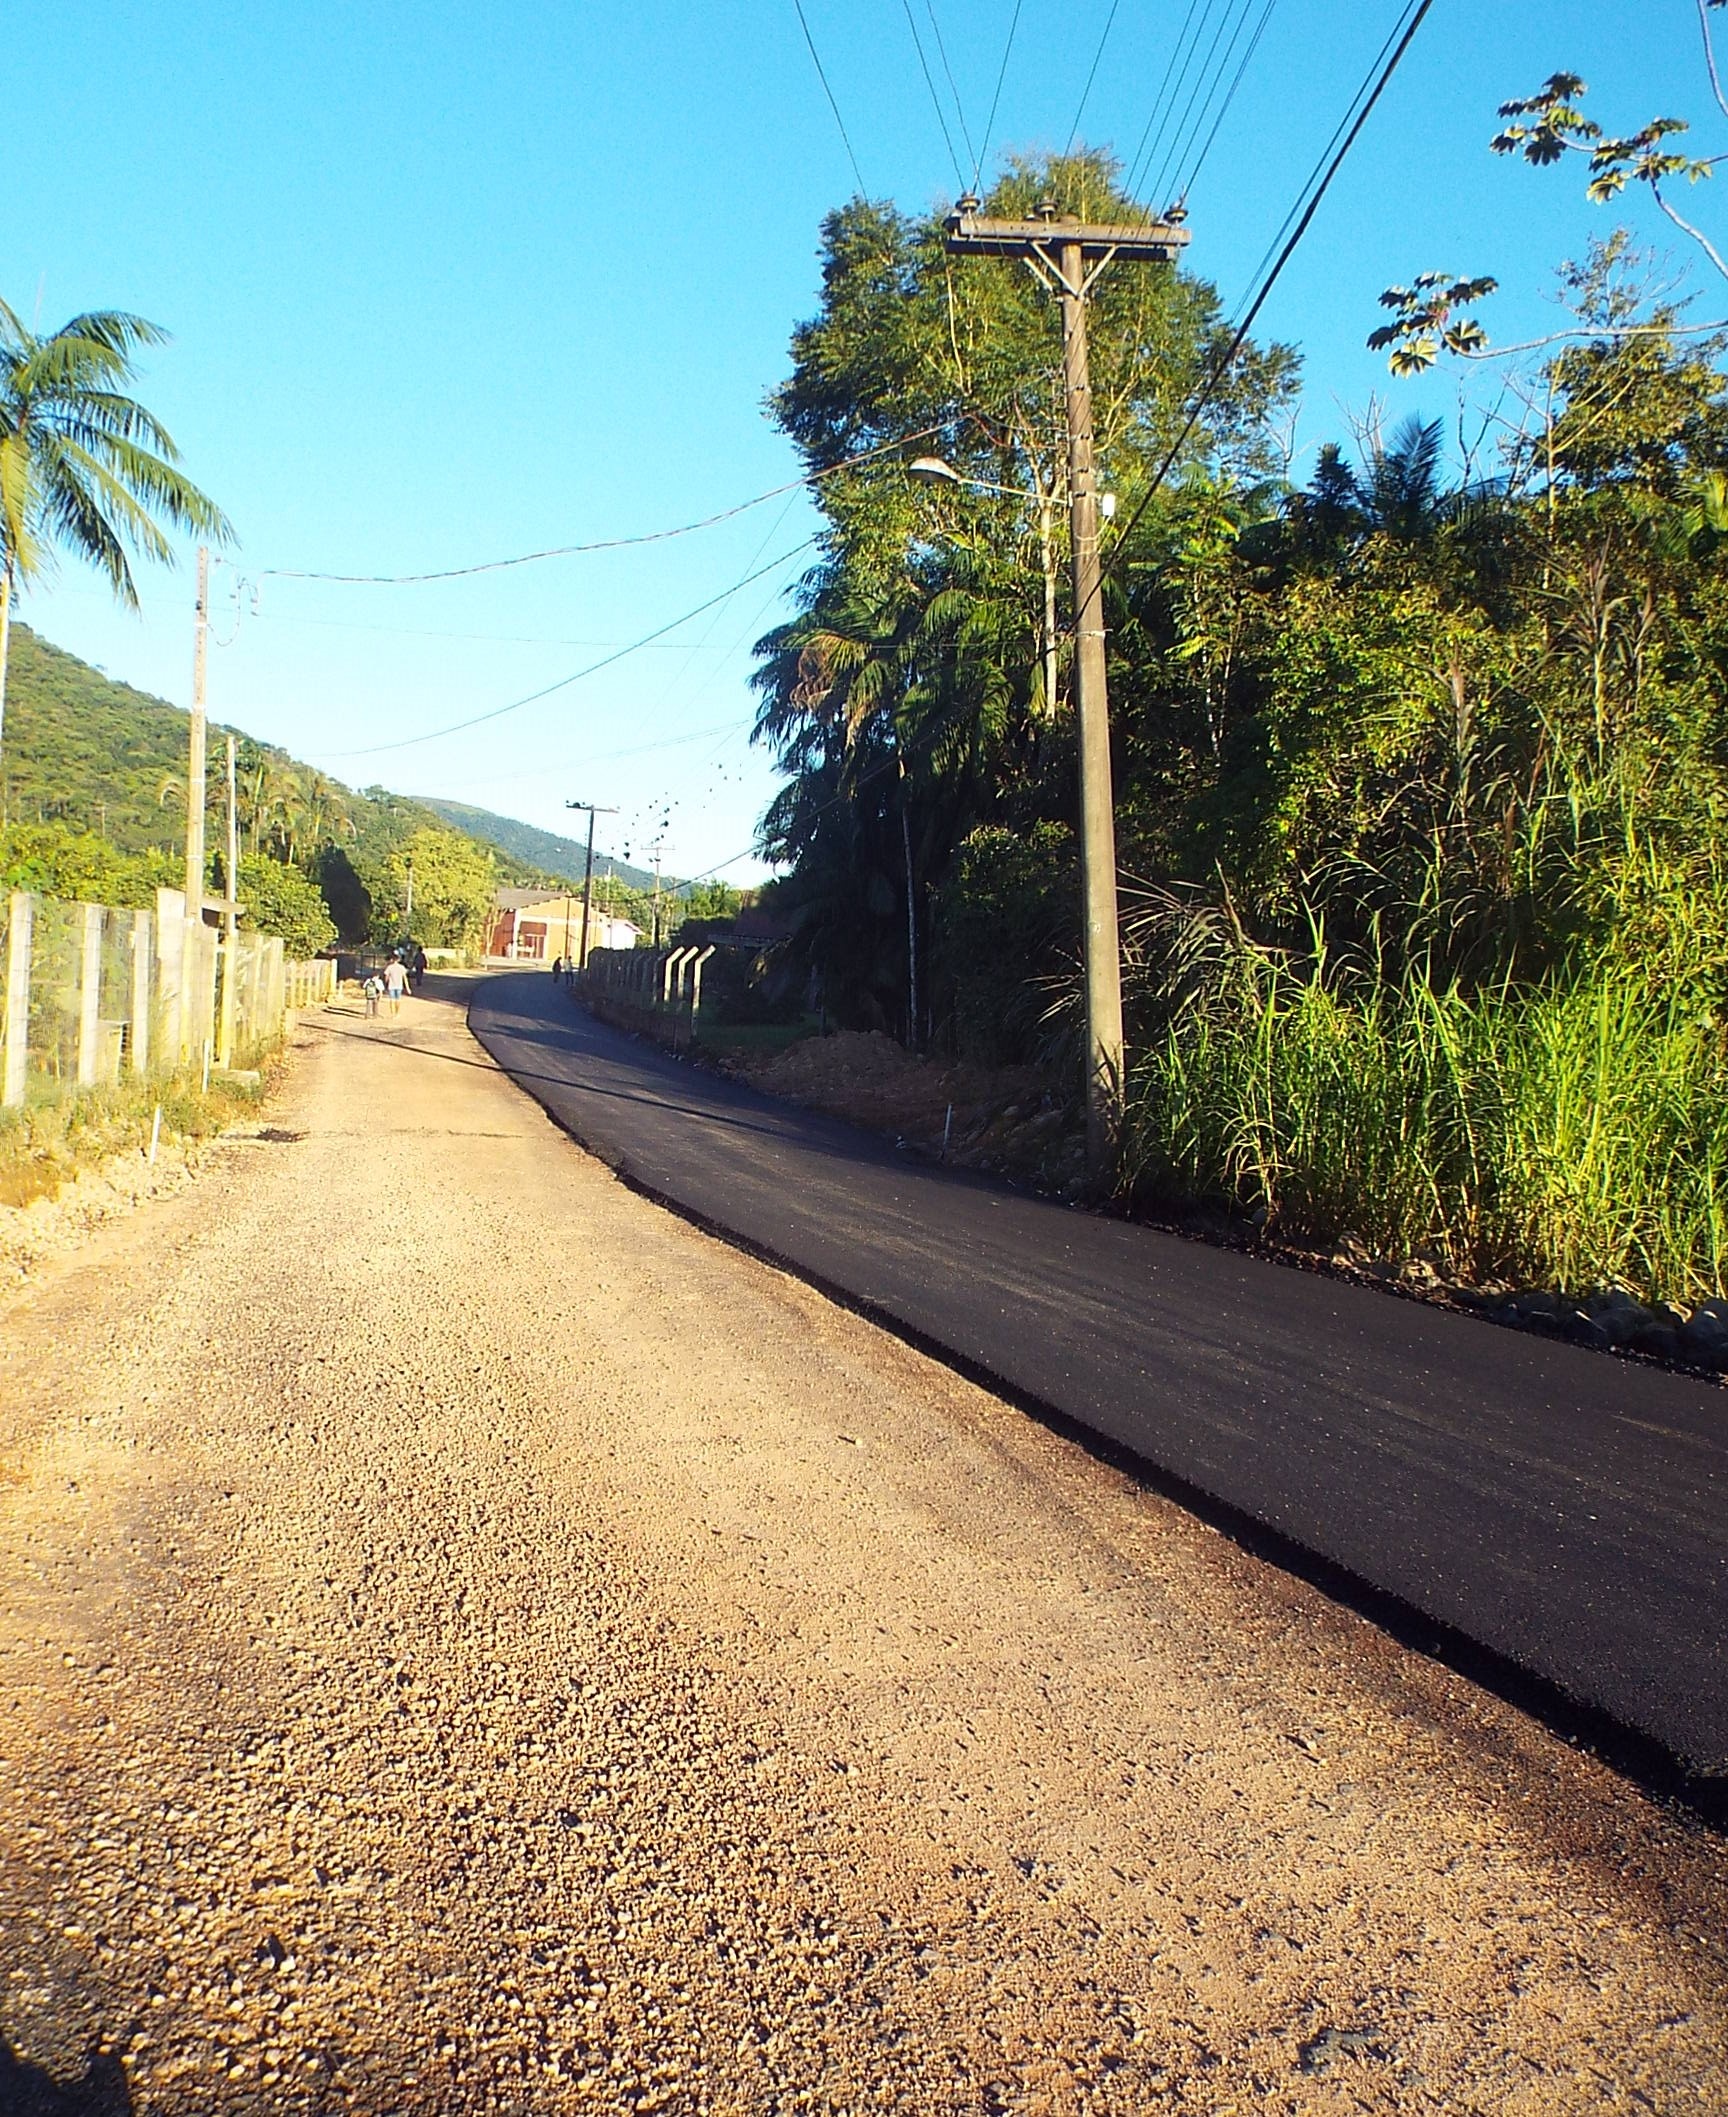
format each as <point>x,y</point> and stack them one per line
<point>92,994</point>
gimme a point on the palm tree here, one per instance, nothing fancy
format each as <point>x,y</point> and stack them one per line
<point>82,465</point>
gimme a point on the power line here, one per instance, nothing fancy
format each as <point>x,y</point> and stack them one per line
<point>834,801</point>
<point>995,100</point>
<point>427,632</point>
<point>1320,160</point>
<point>1230,96</point>
<point>935,99</point>
<point>1175,76</point>
<point>641,749</point>
<point>822,76</point>
<point>948,74</point>
<point>409,742</point>
<point>572,551</point>
<point>1091,76</point>
<point>1200,95</point>
<point>1400,40</point>
<point>696,646</point>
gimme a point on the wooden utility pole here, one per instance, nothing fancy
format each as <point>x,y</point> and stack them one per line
<point>587,876</point>
<point>195,757</point>
<point>1067,256</point>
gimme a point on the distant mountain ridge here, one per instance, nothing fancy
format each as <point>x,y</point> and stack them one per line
<point>544,850</point>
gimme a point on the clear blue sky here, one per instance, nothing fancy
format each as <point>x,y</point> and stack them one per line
<point>452,282</point>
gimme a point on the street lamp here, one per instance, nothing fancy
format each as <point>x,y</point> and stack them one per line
<point>934,470</point>
<point>587,877</point>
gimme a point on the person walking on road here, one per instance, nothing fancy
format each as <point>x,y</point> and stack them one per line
<point>374,991</point>
<point>417,967</point>
<point>395,983</point>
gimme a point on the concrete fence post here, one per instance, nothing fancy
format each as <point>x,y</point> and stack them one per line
<point>20,940</point>
<point>174,1017</point>
<point>672,974</point>
<point>89,995</point>
<point>141,961</point>
<point>696,986</point>
<point>226,951</point>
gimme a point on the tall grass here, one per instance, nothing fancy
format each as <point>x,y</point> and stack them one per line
<point>55,1137</point>
<point>1563,1135</point>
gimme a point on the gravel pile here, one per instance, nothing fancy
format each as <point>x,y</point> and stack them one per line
<point>470,1643</point>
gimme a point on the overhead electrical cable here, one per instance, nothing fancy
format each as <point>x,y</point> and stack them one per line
<point>996,99</point>
<point>542,772</point>
<point>1200,94</point>
<point>1091,76</point>
<point>1199,162</point>
<point>1323,157</point>
<point>935,99</point>
<point>1170,88</point>
<point>696,646</point>
<point>948,74</point>
<point>571,551</point>
<point>408,742</point>
<point>1362,104</point>
<point>439,632</point>
<point>821,75</point>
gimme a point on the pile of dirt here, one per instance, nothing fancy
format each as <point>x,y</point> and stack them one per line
<point>992,1117</point>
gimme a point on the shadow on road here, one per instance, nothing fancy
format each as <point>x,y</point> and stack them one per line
<point>27,2090</point>
<point>765,1126</point>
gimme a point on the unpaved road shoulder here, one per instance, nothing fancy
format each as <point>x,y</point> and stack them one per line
<point>471,1642</point>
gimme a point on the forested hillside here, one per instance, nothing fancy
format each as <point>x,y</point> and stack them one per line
<point>94,784</point>
<point>544,851</point>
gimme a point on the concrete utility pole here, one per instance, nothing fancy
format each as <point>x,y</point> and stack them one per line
<point>587,876</point>
<point>1067,256</point>
<point>195,757</point>
<point>230,917</point>
<point>657,849</point>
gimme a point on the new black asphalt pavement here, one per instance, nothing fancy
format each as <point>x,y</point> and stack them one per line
<point>1564,1510</point>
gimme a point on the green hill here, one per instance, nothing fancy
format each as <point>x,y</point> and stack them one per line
<point>544,850</point>
<point>82,750</point>
<point>93,783</point>
<point>90,753</point>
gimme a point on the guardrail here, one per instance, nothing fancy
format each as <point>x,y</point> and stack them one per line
<point>92,993</point>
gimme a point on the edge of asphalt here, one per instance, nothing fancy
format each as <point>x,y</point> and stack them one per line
<point>1646,1761</point>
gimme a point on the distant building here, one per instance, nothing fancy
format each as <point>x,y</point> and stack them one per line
<point>543,925</point>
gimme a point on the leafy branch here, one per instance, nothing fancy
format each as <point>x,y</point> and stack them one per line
<point>1545,128</point>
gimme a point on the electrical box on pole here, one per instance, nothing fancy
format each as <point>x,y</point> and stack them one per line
<point>1068,256</point>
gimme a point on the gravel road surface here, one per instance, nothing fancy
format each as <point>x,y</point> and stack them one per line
<point>471,1642</point>
<point>1566,1510</point>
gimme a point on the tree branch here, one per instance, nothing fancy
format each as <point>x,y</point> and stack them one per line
<point>1686,228</point>
<point>1710,57</point>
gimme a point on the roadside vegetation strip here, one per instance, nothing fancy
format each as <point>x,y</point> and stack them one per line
<point>1564,1137</point>
<point>50,1142</point>
<point>1421,758</point>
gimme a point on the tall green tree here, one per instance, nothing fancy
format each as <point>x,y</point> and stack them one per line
<point>84,468</point>
<point>921,688</point>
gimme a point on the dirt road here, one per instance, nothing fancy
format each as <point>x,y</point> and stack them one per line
<point>470,1642</point>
